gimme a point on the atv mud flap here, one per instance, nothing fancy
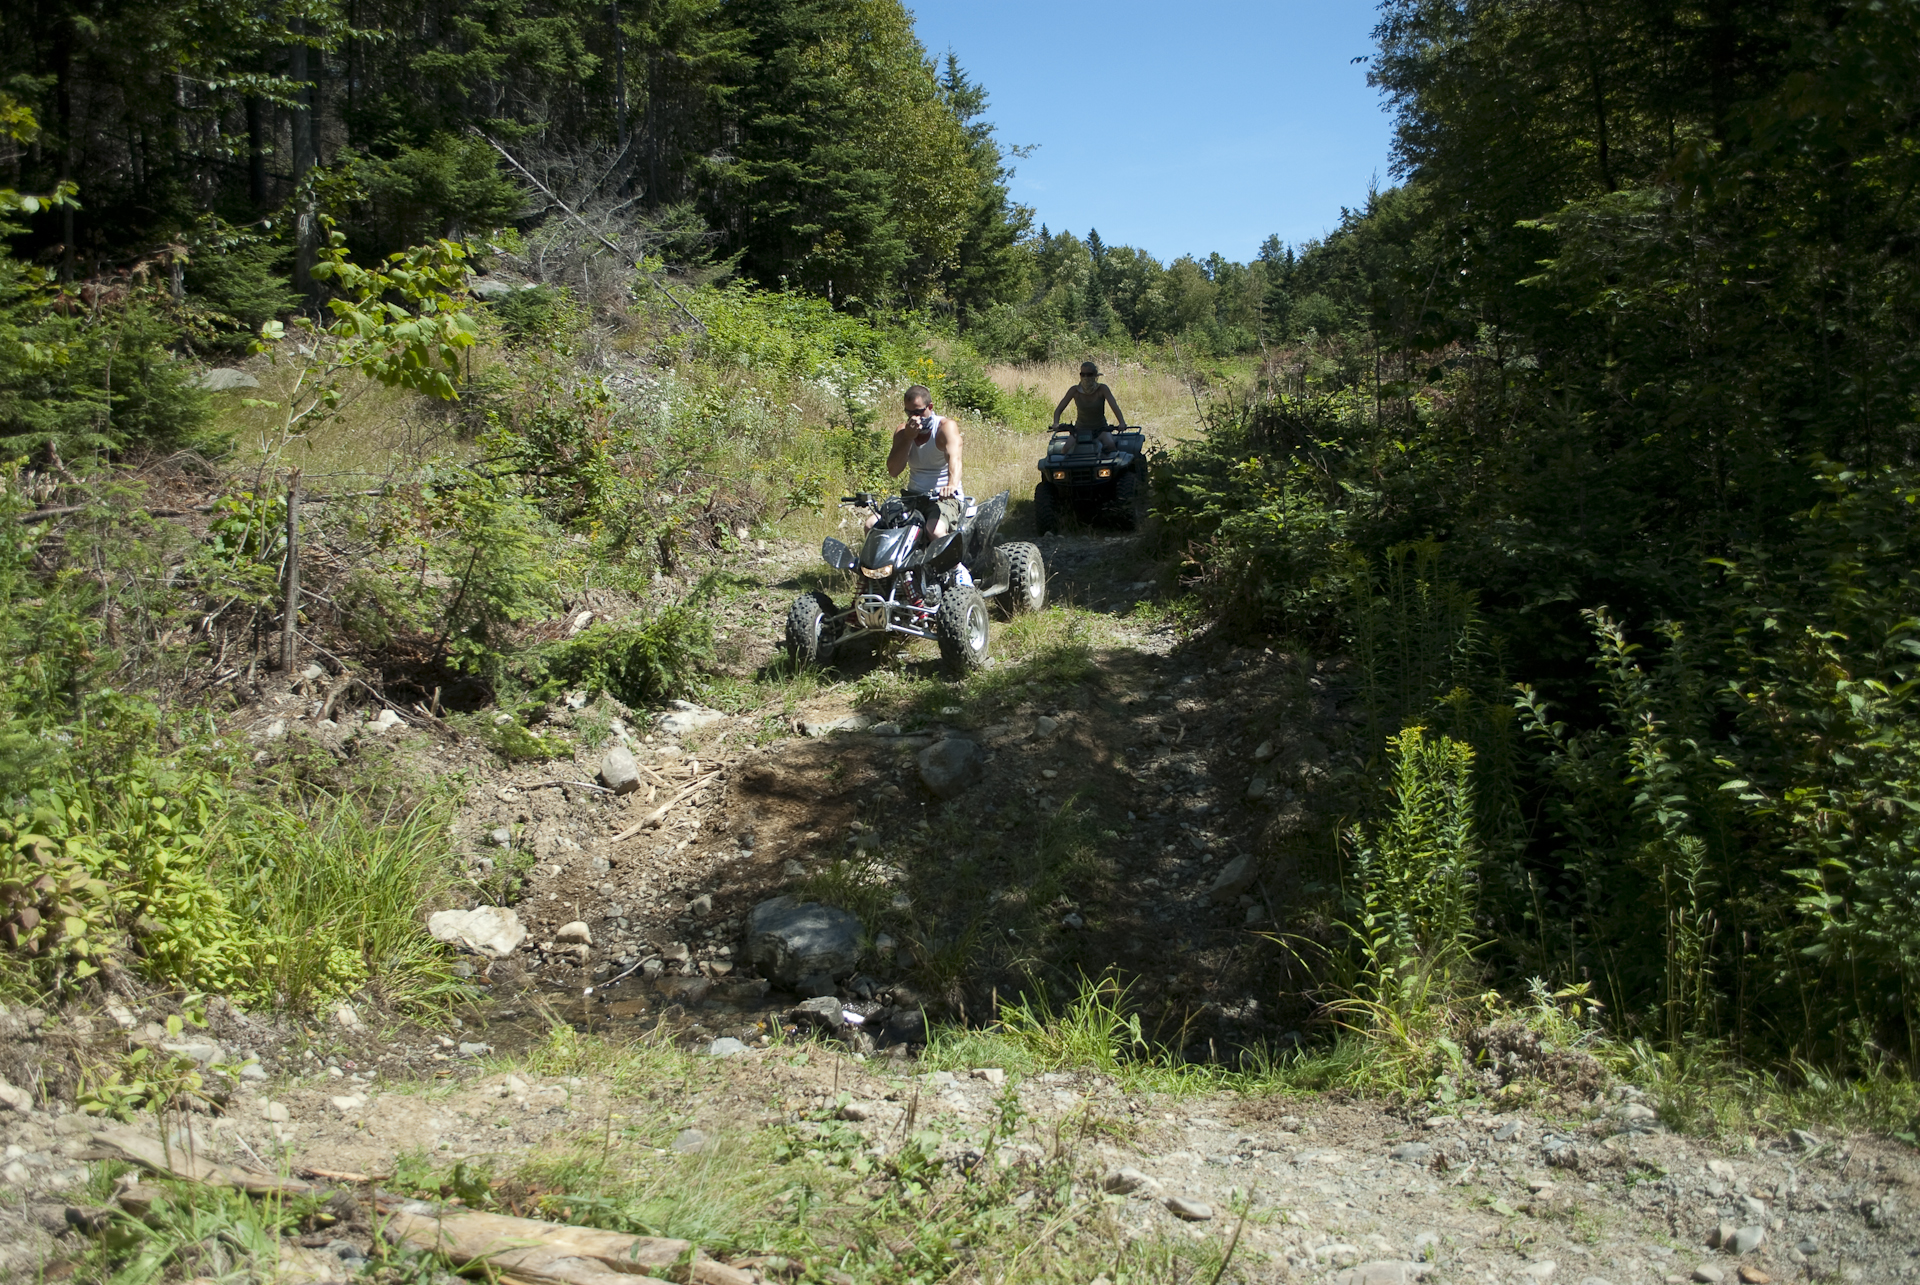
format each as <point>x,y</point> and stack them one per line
<point>981,534</point>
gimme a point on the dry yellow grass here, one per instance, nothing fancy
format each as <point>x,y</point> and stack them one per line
<point>1153,397</point>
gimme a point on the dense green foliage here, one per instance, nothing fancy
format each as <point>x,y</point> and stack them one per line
<point>1621,404</point>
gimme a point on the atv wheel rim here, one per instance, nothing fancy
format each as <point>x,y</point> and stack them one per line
<point>977,629</point>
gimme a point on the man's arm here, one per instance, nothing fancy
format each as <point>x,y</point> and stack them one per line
<point>950,443</point>
<point>897,457</point>
<point>1117,412</point>
<point>1062,406</point>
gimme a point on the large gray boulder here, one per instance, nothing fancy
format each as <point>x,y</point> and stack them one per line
<point>948,767</point>
<point>788,939</point>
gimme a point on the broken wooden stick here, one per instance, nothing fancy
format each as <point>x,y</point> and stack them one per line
<point>655,815</point>
<point>537,1253</point>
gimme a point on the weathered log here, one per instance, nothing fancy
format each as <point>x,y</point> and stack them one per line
<point>120,1142</point>
<point>538,1253</point>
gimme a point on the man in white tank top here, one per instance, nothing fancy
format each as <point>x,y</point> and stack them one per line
<point>929,445</point>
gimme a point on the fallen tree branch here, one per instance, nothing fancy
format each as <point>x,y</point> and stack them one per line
<point>661,811</point>
<point>578,785</point>
<point>120,1142</point>
<point>537,1253</point>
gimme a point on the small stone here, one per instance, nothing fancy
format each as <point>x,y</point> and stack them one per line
<point>1808,1246</point>
<point>475,1050</point>
<point>385,722</point>
<point>1048,774</point>
<point>1045,726</point>
<point>1636,1113</point>
<point>122,1016</point>
<point>348,1103</point>
<point>1595,1280</point>
<point>575,933</point>
<point>275,731</point>
<point>1234,878</point>
<point>1382,1272</point>
<point>1263,752</point>
<point>1507,1132</point>
<point>1257,788</point>
<point>17,1098</point>
<point>1753,1208</point>
<point>689,1140</point>
<point>1748,1239</point>
<point>1193,1211</point>
<point>856,1112</point>
<point>1539,1271</point>
<point>502,837</point>
<point>275,1113</point>
<point>346,1017</point>
<point>253,1071</point>
<point>948,768</point>
<point>1126,1180</point>
<point>1802,1140</point>
<point>1413,1153</point>
<point>675,952</point>
<point>618,771</point>
<point>1708,1274</point>
<point>885,729</point>
<point>726,1046</point>
<point>1754,1276</point>
<point>884,944</point>
<point>701,905</point>
<point>991,1074</point>
<point>1721,1235</point>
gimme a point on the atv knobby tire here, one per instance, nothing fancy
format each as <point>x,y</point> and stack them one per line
<point>961,628</point>
<point>1129,501</point>
<point>1046,516</point>
<point>1026,577</point>
<point>807,642</point>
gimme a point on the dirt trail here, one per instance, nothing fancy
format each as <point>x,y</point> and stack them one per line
<point>1149,805</point>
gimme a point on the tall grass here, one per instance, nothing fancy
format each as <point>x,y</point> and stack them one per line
<point>343,893</point>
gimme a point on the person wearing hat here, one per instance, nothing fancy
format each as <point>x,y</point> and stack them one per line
<point>1091,399</point>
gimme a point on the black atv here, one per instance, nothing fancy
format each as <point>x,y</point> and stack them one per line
<point>909,582</point>
<point>1081,477</point>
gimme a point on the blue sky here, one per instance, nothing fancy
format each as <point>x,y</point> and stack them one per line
<point>1181,129</point>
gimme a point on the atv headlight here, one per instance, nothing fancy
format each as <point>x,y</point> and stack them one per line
<point>1106,472</point>
<point>1060,475</point>
<point>877,573</point>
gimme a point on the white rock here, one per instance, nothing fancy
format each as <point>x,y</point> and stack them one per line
<point>1539,1271</point>
<point>16,1173</point>
<point>19,1099</point>
<point>275,731</point>
<point>348,1103</point>
<point>346,1017</point>
<point>726,1046</point>
<point>580,622</point>
<point>1381,1272</point>
<point>576,932</point>
<point>223,379</point>
<point>275,1112</point>
<point>386,722</point>
<point>687,717</point>
<point>122,1016</point>
<point>495,931</point>
<point>991,1074</point>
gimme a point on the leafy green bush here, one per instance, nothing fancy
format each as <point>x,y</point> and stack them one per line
<point>638,664</point>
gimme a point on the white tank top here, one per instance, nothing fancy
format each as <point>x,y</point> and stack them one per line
<point>926,462</point>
